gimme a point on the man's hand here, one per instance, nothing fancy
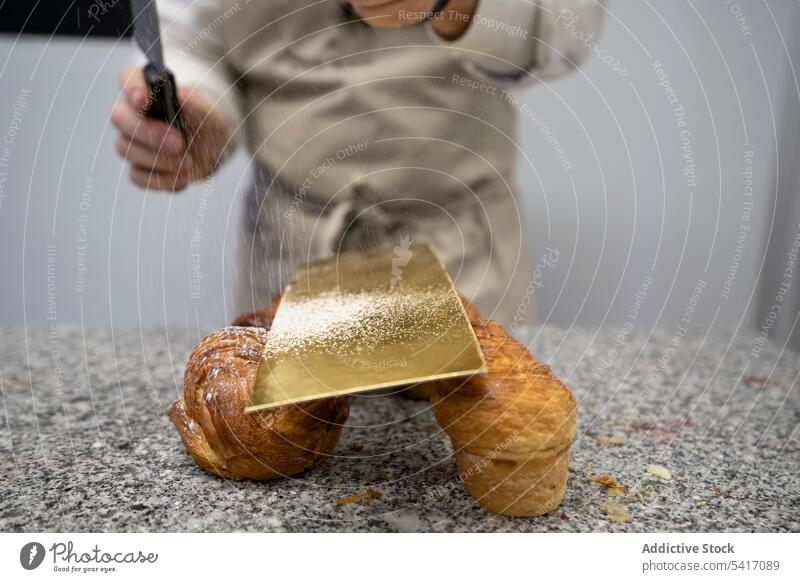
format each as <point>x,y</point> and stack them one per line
<point>159,157</point>
<point>450,23</point>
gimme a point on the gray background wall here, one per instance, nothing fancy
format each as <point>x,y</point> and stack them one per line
<point>622,213</point>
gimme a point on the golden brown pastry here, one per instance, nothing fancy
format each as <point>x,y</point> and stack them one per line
<point>262,318</point>
<point>223,439</point>
<point>511,428</point>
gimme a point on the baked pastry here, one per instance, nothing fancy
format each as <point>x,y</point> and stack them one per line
<point>511,428</point>
<point>262,318</point>
<point>223,439</point>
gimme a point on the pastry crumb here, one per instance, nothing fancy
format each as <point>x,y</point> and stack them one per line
<point>641,494</point>
<point>615,512</point>
<point>660,431</point>
<point>606,480</point>
<point>615,491</point>
<point>362,498</point>
<point>659,471</point>
<point>617,439</point>
<point>760,380</point>
<point>357,446</point>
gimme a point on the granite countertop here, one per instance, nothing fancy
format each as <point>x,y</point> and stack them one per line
<point>85,444</point>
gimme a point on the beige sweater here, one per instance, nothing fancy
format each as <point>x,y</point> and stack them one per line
<point>366,137</point>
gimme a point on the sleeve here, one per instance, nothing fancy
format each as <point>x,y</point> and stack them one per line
<point>195,54</point>
<point>506,38</point>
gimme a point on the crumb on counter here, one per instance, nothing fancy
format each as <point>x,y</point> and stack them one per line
<point>615,512</point>
<point>659,471</point>
<point>759,380</point>
<point>617,439</point>
<point>362,498</point>
<point>606,480</point>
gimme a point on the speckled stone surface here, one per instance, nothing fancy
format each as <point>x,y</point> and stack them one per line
<point>85,444</point>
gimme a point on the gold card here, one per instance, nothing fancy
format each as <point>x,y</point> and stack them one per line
<point>364,321</point>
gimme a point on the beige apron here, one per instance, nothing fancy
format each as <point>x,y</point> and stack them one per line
<point>363,138</point>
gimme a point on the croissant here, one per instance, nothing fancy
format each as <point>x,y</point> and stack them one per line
<point>511,428</point>
<point>223,439</point>
<point>262,318</point>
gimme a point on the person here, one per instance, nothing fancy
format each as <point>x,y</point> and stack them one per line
<point>373,122</point>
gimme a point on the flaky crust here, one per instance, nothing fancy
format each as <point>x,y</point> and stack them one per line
<point>223,439</point>
<point>511,428</point>
<point>262,318</point>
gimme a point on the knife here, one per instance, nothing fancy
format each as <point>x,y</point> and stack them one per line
<point>163,101</point>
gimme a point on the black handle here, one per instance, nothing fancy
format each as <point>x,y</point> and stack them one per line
<point>163,101</point>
